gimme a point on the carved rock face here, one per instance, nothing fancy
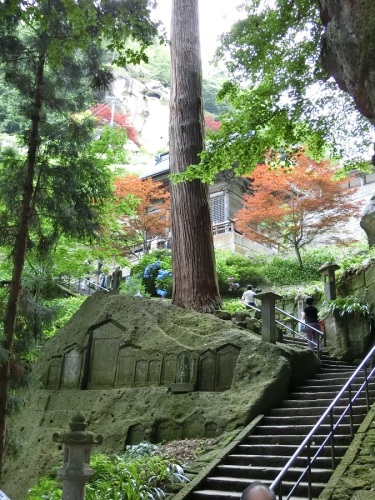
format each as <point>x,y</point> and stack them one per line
<point>348,49</point>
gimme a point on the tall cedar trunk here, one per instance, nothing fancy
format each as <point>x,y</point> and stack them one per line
<point>194,274</point>
<point>19,252</point>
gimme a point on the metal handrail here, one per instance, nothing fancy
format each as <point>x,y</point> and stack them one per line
<point>91,285</point>
<point>330,437</point>
<point>294,332</point>
<point>315,344</point>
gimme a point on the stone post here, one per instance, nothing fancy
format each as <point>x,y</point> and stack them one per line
<point>328,272</point>
<point>268,315</point>
<point>76,469</point>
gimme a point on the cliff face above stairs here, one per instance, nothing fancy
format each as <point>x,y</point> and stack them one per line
<point>349,47</point>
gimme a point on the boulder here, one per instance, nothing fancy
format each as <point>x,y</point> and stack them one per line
<point>143,369</point>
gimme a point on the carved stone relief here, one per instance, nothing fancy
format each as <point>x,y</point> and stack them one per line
<point>71,369</point>
<point>111,363</point>
<point>54,374</point>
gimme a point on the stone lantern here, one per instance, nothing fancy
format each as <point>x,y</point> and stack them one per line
<point>328,272</point>
<point>76,469</point>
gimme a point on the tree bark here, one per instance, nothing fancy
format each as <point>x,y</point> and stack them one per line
<point>194,274</point>
<point>19,253</point>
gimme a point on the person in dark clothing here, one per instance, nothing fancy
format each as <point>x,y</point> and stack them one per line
<point>310,317</point>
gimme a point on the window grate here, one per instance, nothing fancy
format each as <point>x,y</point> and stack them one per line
<point>218,209</point>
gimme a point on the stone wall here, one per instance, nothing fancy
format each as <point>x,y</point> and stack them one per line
<point>350,336</point>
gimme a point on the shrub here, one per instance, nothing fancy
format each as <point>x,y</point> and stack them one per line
<point>346,305</point>
<point>234,268</point>
<point>133,286</point>
<point>149,266</point>
<point>141,473</point>
<point>164,283</point>
<point>284,269</point>
<point>65,308</point>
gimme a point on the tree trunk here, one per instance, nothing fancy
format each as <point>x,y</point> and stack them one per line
<point>298,254</point>
<point>19,253</point>
<point>194,274</point>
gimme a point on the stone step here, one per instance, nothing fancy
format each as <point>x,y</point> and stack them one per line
<point>314,411</point>
<point>285,430</point>
<point>311,403</point>
<point>269,473</point>
<point>275,459</point>
<point>294,439</point>
<point>226,495</point>
<point>339,380</point>
<point>285,449</point>
<point>238,484</point>
<point>330,395</point>
<point>306,420</point>
<point>333,387</point>
<point>263,454</point>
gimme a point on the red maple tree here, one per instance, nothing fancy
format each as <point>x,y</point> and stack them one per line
<point>103,114</point>
<point>210,124</point>
<point>143,208</point>
<point>293,205</point>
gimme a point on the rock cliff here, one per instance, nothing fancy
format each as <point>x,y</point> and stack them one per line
<point>348,49</point>
<point>147,107</point>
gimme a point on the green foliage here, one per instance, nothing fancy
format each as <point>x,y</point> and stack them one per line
<point>148,267</point>
<point>46,488</point>
<point>233,305</point>
<point>141,473</point>
<point>211,90</point>
<point>110,146</point>
<point>65,308</point>
<point>273,59</point>
<point>285,270</point>
<point>346,168</point>
<point>164,282</point>
<point>132,286</point>
<point>349,305</point>
<point>235,268</point>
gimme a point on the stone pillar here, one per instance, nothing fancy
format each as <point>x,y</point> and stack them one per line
<point>328,272</point>
<point>76,469</point>
<point>268,315</point>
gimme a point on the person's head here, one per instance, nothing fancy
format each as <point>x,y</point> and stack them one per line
<point>258,491</point>
<point>309,301</point>
<point>249,287</point>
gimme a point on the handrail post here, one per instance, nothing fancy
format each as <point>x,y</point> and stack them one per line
<point>351,410</point>
<point>332,440</point>
<point>281,490</point>
<point>309,470</point>
<point>366,385</point>
<point>268,315</point>
<point>318,347</point>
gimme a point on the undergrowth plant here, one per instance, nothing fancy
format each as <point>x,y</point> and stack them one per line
<point>140,473</point>
<point>347,305</point>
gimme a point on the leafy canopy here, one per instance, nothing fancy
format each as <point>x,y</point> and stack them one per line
<point>280,94</point>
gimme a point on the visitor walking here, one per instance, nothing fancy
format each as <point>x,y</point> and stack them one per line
<point>248,297</point>
<point>310,317</point>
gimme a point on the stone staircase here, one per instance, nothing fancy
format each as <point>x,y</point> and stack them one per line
<point>262,454</point>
